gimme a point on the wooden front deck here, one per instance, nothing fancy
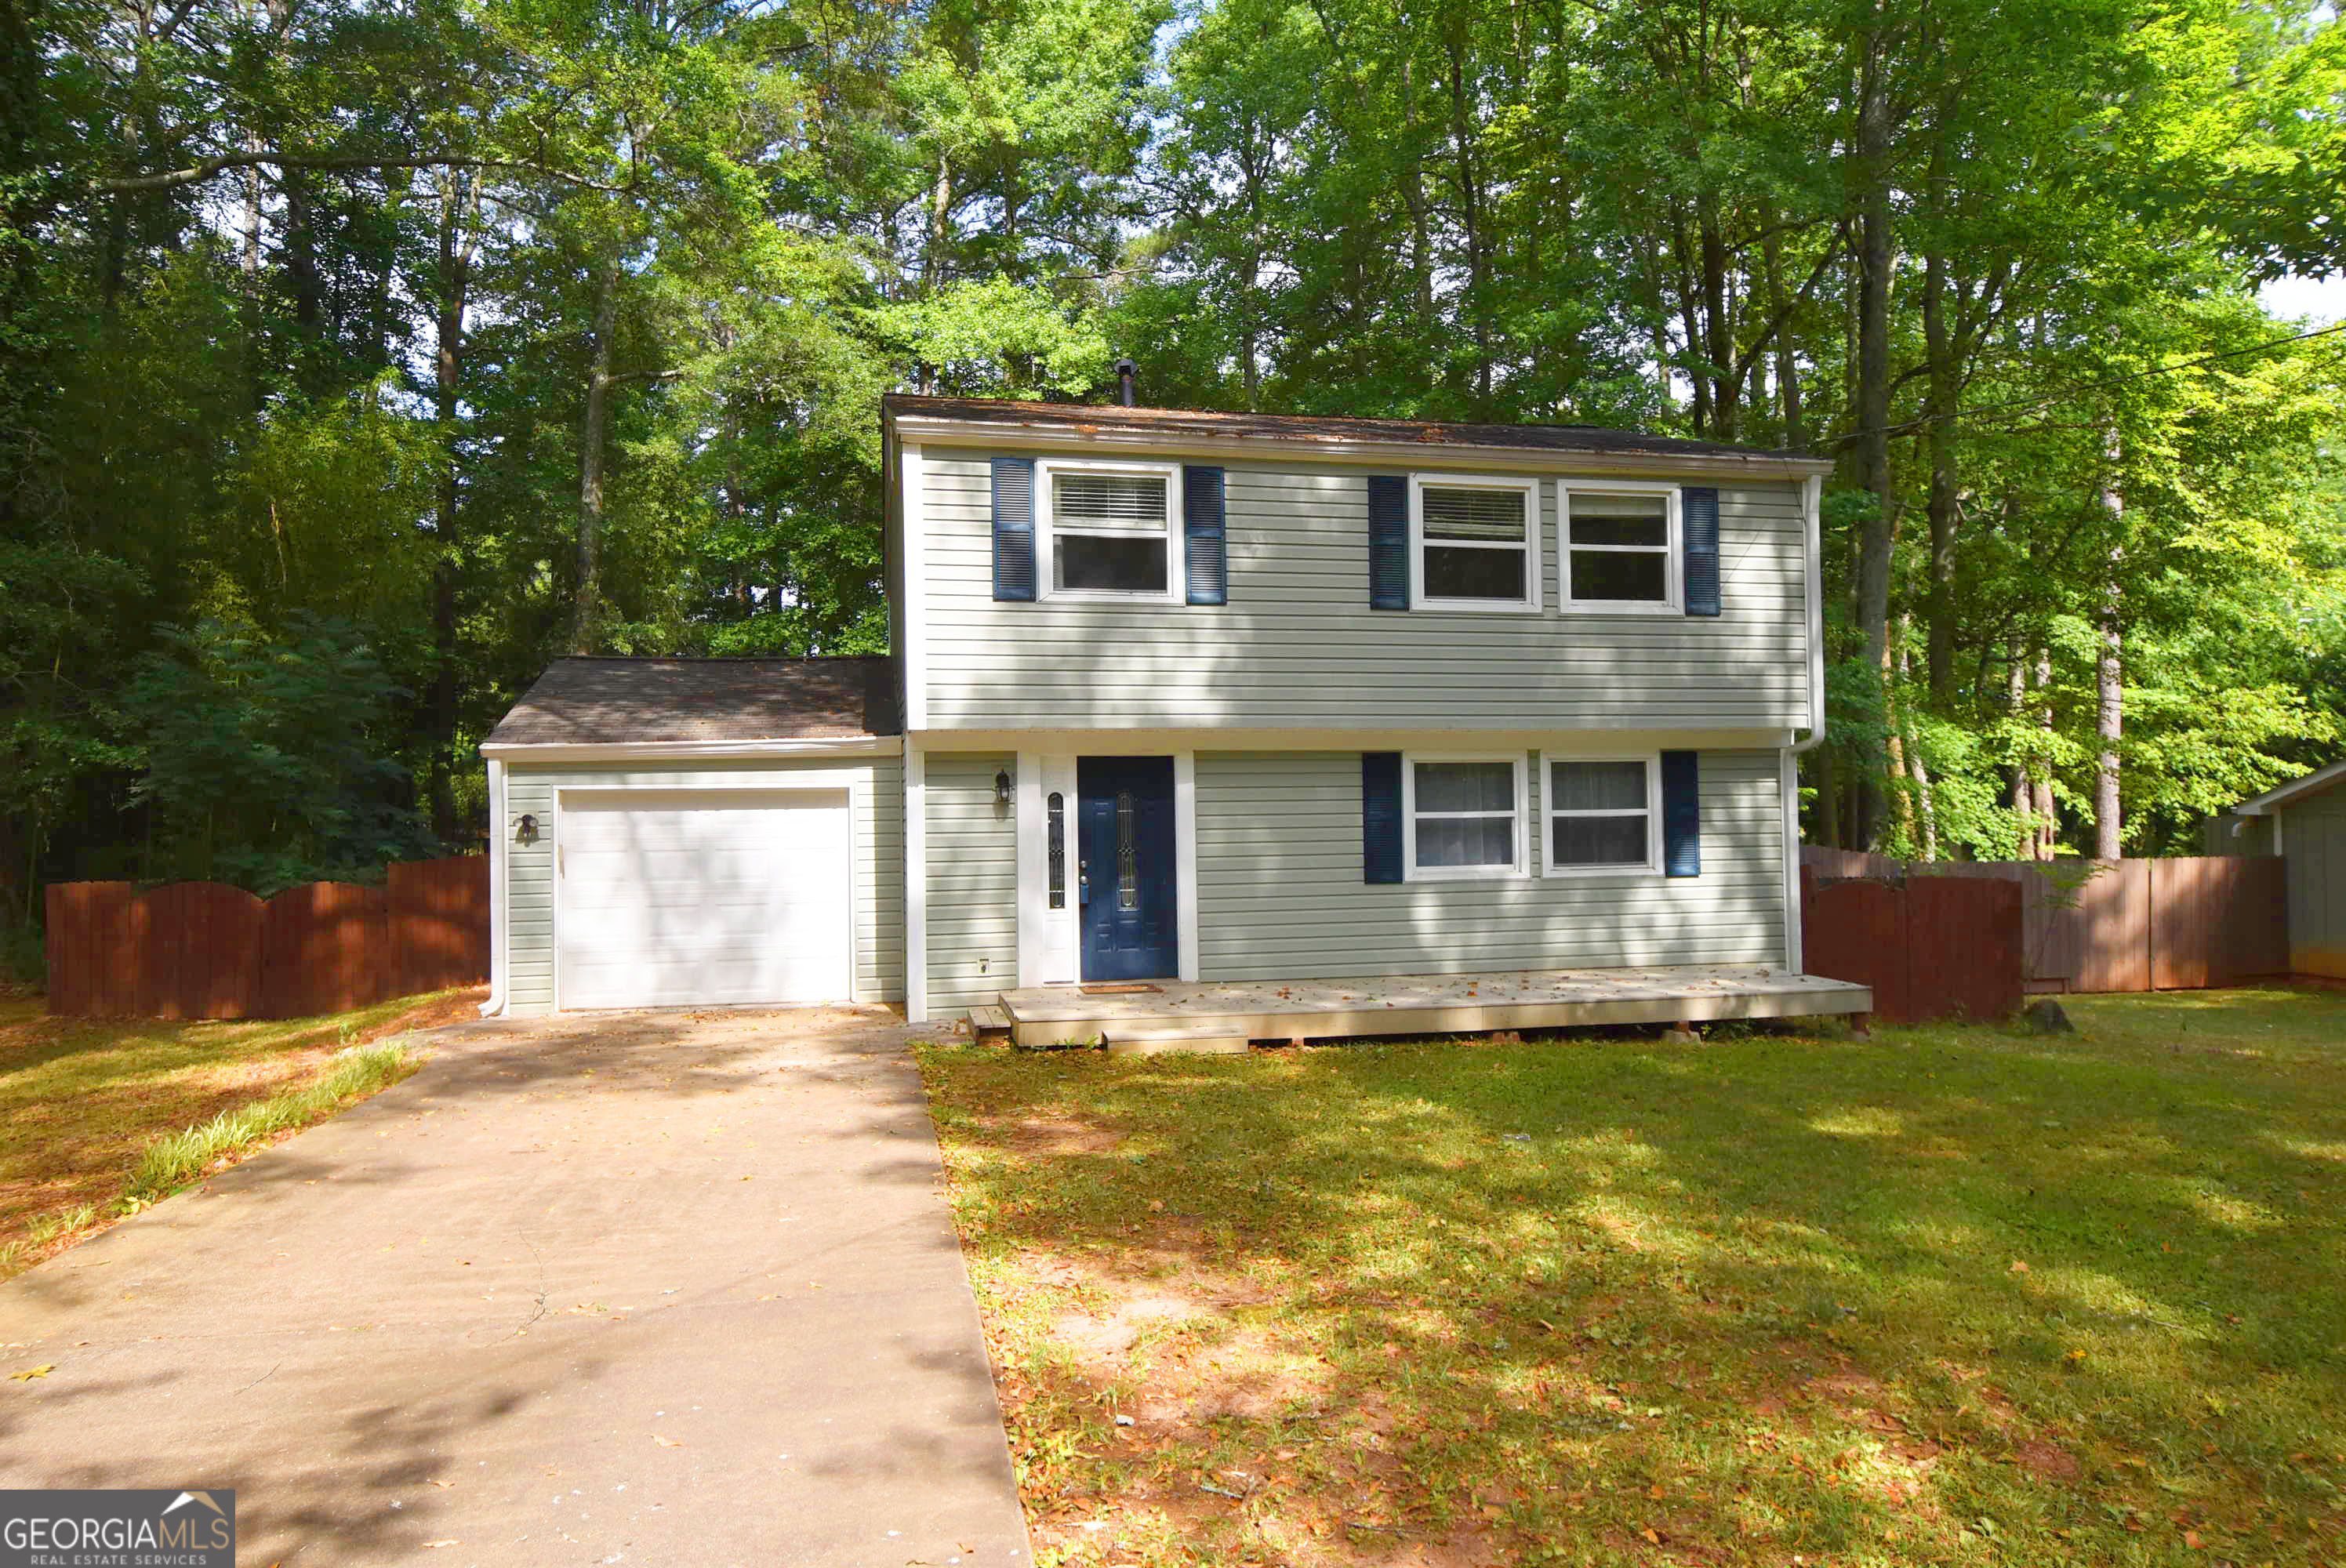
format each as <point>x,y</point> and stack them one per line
<point>1225,1016</point>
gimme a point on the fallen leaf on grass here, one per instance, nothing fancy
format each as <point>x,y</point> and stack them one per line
<point>1650,1534</point>
<point>2018,1267</point>
<point>2191,1539</point>
<point>27,1375</point>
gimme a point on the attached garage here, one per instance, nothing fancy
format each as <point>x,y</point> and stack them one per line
<point>668,898</point>
<point>686,832</point>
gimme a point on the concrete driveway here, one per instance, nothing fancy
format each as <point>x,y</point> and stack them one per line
<point>640,1288</point>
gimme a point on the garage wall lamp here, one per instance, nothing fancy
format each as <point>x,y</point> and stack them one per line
<point>1001,787</point>
<point>526,833</point>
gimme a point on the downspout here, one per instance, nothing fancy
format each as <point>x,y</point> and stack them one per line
<point>495,1005</point>
<point>1811,512</point>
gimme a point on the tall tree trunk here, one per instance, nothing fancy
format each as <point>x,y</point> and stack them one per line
<point>1788,370</point>
<point>586,621</point>
<point>447,368</point>
<point>1658,323</point>
<point>1412,195</point>
<point>1718,333</point>
<point>2109,815</point>
<point>940,211</point>
<point>2016,703</point>
<point>1876,254</point>
<point>1939,609</point>
<point>1470,214</point>
<point>2047,819</point>
<point>1926,818</point>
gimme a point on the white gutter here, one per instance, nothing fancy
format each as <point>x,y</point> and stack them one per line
<point>1812,490</point>
<point>1058,436</point>
<point>1789,779</point>
<point>498,832</point>
<point>660,750</point>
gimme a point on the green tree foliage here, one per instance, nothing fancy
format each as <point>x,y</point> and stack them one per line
<point>264,762</point>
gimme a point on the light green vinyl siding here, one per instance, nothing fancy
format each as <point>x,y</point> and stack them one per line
<point>1280,894</point>
<point>1298,647</point>
<point>2313,842</point>
<point>972,853</point>
<point>878,809</point>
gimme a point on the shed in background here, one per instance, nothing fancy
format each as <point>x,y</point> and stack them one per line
<point>2304,822</point>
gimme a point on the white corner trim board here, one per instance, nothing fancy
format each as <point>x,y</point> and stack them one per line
<point>916,884</point>
<point>912,481</point>
<point>1185,859</point>
<point>500,942</point>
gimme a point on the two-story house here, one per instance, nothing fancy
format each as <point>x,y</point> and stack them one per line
<point>1210,708</point>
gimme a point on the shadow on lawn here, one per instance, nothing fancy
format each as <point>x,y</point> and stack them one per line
<point>1755,1298</point>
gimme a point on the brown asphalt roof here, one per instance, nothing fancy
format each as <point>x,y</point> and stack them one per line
<point>607,701</point>
<point>1307,428</point>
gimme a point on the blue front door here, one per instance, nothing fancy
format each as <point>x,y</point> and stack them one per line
<point>1124,836</point>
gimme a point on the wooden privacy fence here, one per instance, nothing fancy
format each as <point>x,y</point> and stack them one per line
<point>2174,924</point>
<point>1930,947</point>
<point>201,950</point>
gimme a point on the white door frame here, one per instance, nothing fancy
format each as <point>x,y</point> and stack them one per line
<point>823,781</point>
<point>1050,942</point>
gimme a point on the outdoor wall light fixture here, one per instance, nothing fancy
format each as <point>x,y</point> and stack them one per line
<point>1001,787</point>
<point>527,833</point>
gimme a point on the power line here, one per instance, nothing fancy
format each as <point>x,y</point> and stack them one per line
<point>2034,402</point>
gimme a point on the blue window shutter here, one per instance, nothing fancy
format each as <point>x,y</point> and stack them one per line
<point>1682,815</point>
<point>1014,528</point>
<point>1380,816</point>
<point>1698,521</point>
<point>1205,526</point>
<point>1388,545</point>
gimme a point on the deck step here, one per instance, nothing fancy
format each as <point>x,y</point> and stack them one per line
<point>991,1024</point>
<point>1155,1037</point>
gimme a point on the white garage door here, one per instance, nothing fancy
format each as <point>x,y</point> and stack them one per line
<point>672,898</point>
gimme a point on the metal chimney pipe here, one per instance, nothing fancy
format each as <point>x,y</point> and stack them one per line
<point>1124,372</point>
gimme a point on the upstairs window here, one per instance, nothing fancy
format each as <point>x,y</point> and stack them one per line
<point>1621,549</point>
<point>1477,543</point>
<point>1110,530</point>
<point>1601,815</point>
<point>1464,816</point>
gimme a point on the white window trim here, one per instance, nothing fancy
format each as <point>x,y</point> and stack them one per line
<point>1410,871</point>
<point>1673,554</point>
<point>1046,560</point>
<point>1548,813</point>
<point>1050,942</point>
<point>1534,545</point>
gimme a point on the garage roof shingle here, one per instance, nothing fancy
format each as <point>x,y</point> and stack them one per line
<point>620,701</point>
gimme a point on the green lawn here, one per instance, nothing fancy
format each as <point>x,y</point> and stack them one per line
<point>83,1100</point>
<point>1953,1295</point>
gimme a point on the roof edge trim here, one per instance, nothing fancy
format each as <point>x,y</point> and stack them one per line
<point>947,432</point>
<point>2281,795</point>
<point>511,752</point>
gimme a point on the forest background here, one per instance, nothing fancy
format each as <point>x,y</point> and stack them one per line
<point>359,356</point>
